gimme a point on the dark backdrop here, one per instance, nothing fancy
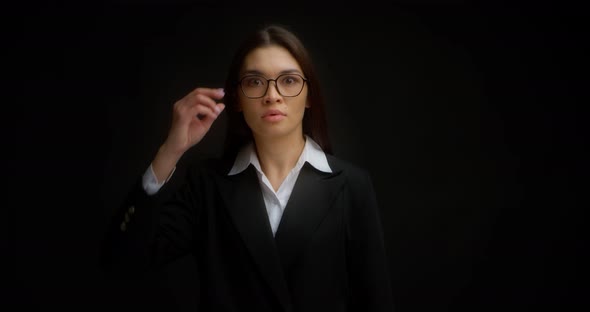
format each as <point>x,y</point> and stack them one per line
<point>468,119</point>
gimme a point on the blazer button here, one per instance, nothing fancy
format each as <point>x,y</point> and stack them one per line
<point>126,217</point>
<point>123,226</point>
<point>131,210</point>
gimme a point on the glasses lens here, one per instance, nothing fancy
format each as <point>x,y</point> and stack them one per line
<point>254,86</point>
<point>290,85</point>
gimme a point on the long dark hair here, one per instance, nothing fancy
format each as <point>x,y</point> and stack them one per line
<point>314,119</point>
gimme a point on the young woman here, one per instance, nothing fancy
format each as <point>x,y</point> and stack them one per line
<point>276,224</point>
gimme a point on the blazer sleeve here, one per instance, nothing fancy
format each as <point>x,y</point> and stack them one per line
<point>370,286</point>
<point>147,232</point>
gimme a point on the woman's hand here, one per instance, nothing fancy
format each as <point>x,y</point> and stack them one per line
<point>192,118</point>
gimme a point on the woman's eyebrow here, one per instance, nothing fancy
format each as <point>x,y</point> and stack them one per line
<point>257,72</point>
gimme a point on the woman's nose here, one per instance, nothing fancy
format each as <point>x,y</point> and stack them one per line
<point>272,94</point>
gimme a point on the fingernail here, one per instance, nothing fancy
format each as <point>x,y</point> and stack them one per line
<point>221,91</point>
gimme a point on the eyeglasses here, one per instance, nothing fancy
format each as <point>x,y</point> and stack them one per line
<point>288,85</point>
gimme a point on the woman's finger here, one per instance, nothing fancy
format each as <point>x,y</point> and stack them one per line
<point>207,101</point>
<point>214,93</point>
<point>202,112</point>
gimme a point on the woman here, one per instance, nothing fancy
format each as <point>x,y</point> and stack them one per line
<point>277,223</point>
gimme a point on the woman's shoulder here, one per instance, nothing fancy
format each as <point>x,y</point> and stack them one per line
<point>358,179</point>
<point>347,167</point>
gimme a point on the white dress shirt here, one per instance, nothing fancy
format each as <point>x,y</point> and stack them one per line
<point>275,202</point>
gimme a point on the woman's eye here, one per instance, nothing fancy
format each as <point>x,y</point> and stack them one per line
<point>290,80</point>
<point>255,82</point>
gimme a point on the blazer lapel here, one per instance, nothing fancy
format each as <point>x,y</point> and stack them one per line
<point>243,198</point>
<point>309,202</point>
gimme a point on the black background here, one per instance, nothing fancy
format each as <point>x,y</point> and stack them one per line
<point>469,119</point>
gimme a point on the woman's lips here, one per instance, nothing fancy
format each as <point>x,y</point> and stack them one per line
<point>273,115</point>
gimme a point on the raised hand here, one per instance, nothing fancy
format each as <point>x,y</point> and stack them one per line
<point>192,118</point>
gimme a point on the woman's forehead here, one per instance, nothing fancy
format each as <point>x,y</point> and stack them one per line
<point>269,60</point>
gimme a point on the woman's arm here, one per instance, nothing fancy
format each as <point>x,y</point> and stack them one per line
<point>148,231</point>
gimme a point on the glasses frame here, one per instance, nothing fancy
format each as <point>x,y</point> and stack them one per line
<point>268,85</point>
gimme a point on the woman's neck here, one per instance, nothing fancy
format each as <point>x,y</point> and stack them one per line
<point>277,156</point>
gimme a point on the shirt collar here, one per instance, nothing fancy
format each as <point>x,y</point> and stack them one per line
<point>312,153</point>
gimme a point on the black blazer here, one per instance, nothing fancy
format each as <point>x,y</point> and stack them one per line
<point>328,253</point>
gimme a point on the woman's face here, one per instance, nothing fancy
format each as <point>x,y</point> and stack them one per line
<point>272,115</point>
